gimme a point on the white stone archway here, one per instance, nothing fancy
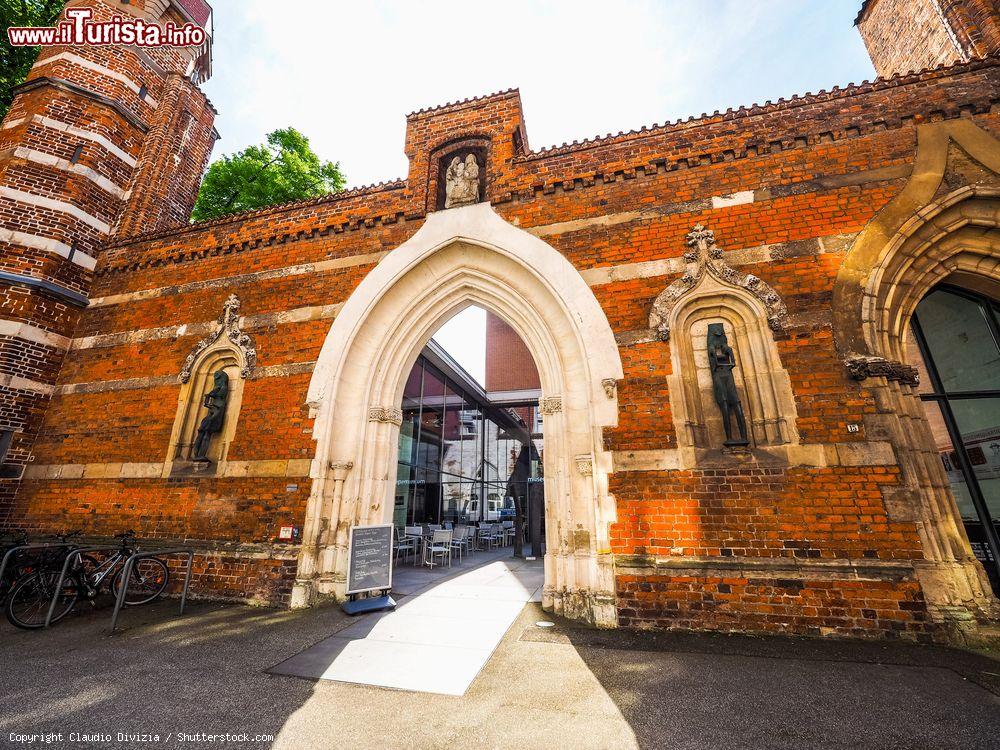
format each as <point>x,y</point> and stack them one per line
<point>461,257</point>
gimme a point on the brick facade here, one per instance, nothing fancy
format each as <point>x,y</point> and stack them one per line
<point>99,141</point>
<point>807,541</point>
<point>908,35</point>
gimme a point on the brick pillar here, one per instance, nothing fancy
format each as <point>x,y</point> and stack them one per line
<point>78,134</point>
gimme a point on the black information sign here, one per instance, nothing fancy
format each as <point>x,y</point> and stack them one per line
<point>369,566</point>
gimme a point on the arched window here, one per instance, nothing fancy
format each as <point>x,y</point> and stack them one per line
<point>955,344</point>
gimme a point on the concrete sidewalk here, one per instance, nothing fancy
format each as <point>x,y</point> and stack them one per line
<point>443,632</point>
<point>568,688</point>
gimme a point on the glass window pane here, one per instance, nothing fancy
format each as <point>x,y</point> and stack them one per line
<point>404,486</point>
<point>915,358</point>
<point>946,450</point>
<point>451,501</point>
<point>960,341</point>
<point>452,433</point>
<point>979,424</point>
<point>431,422</point>
<point>411,414</point>
<point>471,425</point>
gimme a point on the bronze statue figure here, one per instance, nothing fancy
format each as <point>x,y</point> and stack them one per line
<point>215,402</point>
<point>721,360</point>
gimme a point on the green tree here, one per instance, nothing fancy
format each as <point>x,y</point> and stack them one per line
<point>281,170</point>
<point>15,62</point>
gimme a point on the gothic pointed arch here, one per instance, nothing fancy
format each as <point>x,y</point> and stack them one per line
<point>944,221</point>
<point>461,257</point>
<point>943,226</point>
<point>705,257</point>
<point>228,324</point>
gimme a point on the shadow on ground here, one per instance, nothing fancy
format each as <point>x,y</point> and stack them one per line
<point>564,687</point>
<point>160,674</point>
<point>685,690</point>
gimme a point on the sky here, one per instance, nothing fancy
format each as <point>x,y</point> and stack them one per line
<point>345,73</point>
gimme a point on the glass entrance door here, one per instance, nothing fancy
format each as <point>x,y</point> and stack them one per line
<point>956,334</point>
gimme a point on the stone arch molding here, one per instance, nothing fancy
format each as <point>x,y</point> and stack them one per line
<point>943,225</point>
<point>461,257</point>
<point>705,258</point>
<point>924,235</point>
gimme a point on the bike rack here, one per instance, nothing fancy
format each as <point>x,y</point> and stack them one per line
<point>12,550</point>
<point>127,572</point>
<point>62,575</point>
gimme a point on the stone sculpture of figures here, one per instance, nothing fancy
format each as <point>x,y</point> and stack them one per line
<point>215,401</point>
<point>462,182</point>
<point>721,361</point>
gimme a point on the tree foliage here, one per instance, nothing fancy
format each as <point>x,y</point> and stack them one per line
<point>15,62</point>
<point>281,170</point>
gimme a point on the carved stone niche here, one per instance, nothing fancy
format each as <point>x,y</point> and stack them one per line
<point>228,349</point>
<point>445,157</point>
<point>749,310</point>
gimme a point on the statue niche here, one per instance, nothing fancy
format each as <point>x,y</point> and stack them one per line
<point>721,362</point>
<point>728,388</point>
<point>461,174</point>
<point>211,393</point>
<point>215,401</point>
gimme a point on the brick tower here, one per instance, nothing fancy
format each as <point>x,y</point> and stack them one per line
<point>98,142</point>
<point>910,35</point>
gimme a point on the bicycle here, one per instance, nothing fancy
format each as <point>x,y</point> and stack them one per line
<point>31,596</point>
<point>16,565</point>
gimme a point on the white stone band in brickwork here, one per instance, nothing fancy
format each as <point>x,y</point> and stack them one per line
<point>53,205</point>
<point>49,160</point>
<point>97,68</point>
<point>48,245</point>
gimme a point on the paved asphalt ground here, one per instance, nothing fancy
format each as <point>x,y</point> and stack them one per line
<point>566,687</point>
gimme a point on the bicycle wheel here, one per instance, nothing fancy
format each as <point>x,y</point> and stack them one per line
<point>30,598</point>
<point>148,580</point>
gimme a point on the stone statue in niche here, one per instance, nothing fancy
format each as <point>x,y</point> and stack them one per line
<point>721,362</point>
<point>462,182</point>
<point>215,401</point>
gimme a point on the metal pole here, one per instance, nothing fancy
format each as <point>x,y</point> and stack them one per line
<point>126,574</point>
<point>59,583</point>
<point>62,576</point>
<point>130,565</point>
<point>187,580</point>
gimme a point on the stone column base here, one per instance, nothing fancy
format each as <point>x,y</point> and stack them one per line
<point>592,608</point>
<point>959,600</point>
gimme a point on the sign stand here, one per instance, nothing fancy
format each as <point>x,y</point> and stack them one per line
<point>369,569</point>
<point>368,604</point>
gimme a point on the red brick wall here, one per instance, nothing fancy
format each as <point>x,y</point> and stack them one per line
<point>509,365</point>
<point>907,35</point>
<point>77,140</point>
